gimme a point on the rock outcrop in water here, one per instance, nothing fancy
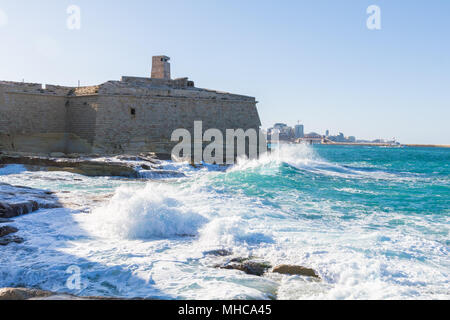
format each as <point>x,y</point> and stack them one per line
<point>4,241</point>
<point>6,236</point>
<point>4,231</point>
<point>258,267</point>
<point>218,253</point>
<point>249,266</point>
<point>295,270</point>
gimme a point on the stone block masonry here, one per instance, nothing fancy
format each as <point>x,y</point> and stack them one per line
<point>131,116</point>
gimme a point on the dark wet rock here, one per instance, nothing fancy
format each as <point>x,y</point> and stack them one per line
<point>218,253</point>
<point>252,267</point>
<point>4,231</point>
<point>11,209</point>
<point>16,201</point>
<point>295,270</point>
<point>4,241</point>
<point>240,260</point>
<point>6,236</point>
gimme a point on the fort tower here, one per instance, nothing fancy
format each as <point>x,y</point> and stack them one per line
<point>161,67</point>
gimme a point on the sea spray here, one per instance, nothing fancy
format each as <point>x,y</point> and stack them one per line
<point>146,213</point>
<point>230,232</point>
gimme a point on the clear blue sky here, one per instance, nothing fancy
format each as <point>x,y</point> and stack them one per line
<point>313,61</point>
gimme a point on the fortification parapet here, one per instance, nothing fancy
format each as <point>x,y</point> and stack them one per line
<point>34,88</point>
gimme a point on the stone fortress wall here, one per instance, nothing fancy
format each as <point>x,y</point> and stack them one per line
<point>132,115</point>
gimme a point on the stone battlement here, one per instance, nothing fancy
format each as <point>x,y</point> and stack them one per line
<point>127,86</point>
<point>34,88</point>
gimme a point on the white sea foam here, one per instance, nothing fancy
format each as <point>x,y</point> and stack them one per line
<point>230,232</point>
<point>145,213</point>
<point>299,156</point>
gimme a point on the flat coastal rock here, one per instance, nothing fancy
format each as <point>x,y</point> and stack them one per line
<point>11,209</point>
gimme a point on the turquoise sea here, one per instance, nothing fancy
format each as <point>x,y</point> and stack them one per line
<point>372,221</point>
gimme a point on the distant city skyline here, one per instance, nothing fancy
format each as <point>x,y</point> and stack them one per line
<point>298,131</point>
<point>328,132</point>
<point>314,61</point>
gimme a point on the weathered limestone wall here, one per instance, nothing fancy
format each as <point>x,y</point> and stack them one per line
<point>32,119</point>
<point>155,119</point>
<point>81,119</point>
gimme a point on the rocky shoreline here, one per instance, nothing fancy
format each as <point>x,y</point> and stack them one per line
<point>96,166</point>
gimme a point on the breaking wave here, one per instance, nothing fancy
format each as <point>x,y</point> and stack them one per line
<point>151,212</point>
